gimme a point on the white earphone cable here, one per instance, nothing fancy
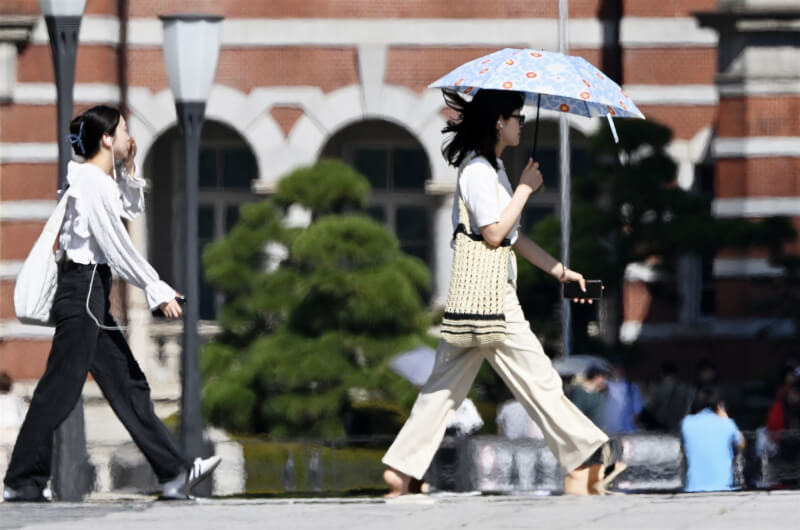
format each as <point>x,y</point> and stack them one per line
<point>89,311</point>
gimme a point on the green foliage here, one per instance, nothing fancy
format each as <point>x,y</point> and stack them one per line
<point>628,208</point>
<point>307,338</point>
<point>326,187</point>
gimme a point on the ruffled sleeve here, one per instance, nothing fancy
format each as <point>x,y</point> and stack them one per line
<point>113,239</point>
<point>131,190</point>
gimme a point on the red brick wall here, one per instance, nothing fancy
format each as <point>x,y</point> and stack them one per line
<point>757,177</point>
<point>286,117</point>
<point>367,8</point>
<point>24,359</point>
<point>759,116</point>
<point>94,64</point>
<point>246,68</point>
<point>31,7</point>
<point>670,8</point>
<point>670,66</point>
<point>6,299</point>
<point>17,238</point>
<point>685,121</point>
<point>21,182</point>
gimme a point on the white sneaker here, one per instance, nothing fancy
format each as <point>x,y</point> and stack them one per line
<point>180,488</point>
<point>12,495</point>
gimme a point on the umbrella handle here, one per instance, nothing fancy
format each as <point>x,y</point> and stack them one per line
<point>536,126</point>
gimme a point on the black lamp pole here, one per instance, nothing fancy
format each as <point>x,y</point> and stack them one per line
<point>63,31</point>
<point>191,49</point>
<point>72,472</point>
<point>190,118</point>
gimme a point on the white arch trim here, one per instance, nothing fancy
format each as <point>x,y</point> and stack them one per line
<point>152,114</point>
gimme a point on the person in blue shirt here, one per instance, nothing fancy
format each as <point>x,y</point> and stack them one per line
<point>709,438</point>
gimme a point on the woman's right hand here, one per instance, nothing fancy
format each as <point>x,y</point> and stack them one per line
<point>531,176</point>
<point>171,309</point>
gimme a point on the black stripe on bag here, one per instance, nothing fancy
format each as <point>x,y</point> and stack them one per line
<point>473,332</point>
<point>473,316</point>
<point>461,229</point>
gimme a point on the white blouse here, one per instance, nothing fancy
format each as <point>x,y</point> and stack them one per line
<point>478,184</point>
<point>93,231</point>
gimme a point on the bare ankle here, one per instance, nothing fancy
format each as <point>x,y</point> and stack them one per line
<point>397,481</point>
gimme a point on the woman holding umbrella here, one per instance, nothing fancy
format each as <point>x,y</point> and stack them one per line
<point>485,127</point>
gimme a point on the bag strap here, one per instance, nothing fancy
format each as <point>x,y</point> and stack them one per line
<point>56,219</point>
<point>464,226</point>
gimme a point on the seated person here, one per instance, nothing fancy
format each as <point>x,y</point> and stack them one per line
<point>709,438</point>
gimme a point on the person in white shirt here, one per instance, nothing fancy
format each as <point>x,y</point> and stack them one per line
<point>12,406</point>
<point>92,241</point>
<point>486,125</point>
<point>514,422</point>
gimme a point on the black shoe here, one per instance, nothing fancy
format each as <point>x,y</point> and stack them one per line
<point>609,455</point>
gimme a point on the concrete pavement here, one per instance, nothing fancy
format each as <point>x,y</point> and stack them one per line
<point>724,511</point>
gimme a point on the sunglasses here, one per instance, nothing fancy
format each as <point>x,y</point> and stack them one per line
<point>520,117</point>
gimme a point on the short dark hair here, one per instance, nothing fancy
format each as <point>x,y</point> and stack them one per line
<point>595,371</point>
<point>706,397</point>
<point>5,383</point>
<point>87,129</point>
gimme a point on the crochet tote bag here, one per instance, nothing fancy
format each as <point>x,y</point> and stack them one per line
<point>473,315</point>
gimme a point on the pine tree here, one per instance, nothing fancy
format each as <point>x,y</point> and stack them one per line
<point>305,338</point>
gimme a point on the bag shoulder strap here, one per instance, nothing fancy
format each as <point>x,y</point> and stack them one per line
<point>464,226</point>
<point>54,222</point>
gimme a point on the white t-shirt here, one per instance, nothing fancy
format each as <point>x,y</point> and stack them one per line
<point>484,199</point>
<point>514,422</point>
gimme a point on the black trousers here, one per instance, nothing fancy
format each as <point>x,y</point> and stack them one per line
<point>80,347</point>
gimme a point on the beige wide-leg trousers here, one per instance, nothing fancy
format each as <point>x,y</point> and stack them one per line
<point>530,376</point>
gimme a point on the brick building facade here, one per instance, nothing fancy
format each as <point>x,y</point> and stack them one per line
<point>347,78</point>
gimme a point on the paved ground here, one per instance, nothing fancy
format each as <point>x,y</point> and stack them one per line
<point>727,511</point>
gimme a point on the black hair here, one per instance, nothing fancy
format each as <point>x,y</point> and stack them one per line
<point>595,371</point>
<point>706,397</point>
<point>87,129</point>
<point>706,365</point>
<point>475,128</point>
<point>5,383</point>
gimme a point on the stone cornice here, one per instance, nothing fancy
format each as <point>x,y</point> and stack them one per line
<point>16,28</point>
<point>751,19</point>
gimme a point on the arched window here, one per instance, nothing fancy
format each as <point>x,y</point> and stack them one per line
<point>226,171</point>
<point>397,168</point>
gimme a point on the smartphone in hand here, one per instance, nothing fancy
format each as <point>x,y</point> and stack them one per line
<point>158,313</point>
<point>594,290</point>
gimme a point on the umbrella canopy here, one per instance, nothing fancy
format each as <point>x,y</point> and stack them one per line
<point>415,365</point>
<point>576,364</point>
<point>551,80</point>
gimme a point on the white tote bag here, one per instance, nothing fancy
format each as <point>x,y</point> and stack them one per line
<point>36,282</point>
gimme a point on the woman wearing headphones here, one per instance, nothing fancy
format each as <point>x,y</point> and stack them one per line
<point>92,241</point>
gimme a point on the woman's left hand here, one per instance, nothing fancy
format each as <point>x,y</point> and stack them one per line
<point>575,276</point>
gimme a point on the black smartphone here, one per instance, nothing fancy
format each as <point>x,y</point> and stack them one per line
<point>157,312</point>
<point>594,290</point>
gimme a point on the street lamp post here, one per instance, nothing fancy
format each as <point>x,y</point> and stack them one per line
<point>191,48</point>
<point>63,19</point>
<point>72,474</point>
<point>565,185</point>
